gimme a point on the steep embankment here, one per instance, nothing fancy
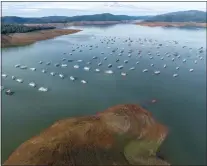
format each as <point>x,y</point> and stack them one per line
<point>120,135</point>
<point>17,39</point>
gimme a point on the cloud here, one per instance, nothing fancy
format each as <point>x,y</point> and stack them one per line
<point>28,9</point>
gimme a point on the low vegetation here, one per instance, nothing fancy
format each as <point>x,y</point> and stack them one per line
<point>17,28</point>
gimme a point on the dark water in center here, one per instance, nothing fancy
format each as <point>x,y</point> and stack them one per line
<point>181,102</point>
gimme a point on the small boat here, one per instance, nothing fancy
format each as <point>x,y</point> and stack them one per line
<point>1,88</point>
<point>177,68</point>
<point>13,77</point>
<point>42,89</point>
<point>145,70</point>
<point>173,59</point>
<point>110,65</point>
<point>70,60</point>
<point>18,65</point>
<point>71,54</point>
<point>64,65</point>
<point>52,73</point>
<point>72,78</point>
<point>19,80</point>
<point>48,63</point>
<point>99,64</point>
<point>132,68</point>
<point>165,66</point>
<point>195,61</point>
<point>191,70</point>
<point>57,65</point>
<point>201,58</point>
<point>129,55</point>
<point>61,75</point>
<point>4,75</point>
<point>83,81</point>
<point>117,60</point>
<point>152,64</point>
<point>151,57</point>
<point>102,52</point>
<point>120,54</point>
<point>95,57</point>
<point>9,92</point>
<point>86,68</point>
<point>88,63</point>
<point>32,84</point>
<point>109,72</point>
<point>175,75</point>
<point>76,66</point>
<point>23,67</point>
<point>79,60</point>
<point>105,58</point>
<point>123,74</point>
<point>157,72</point>
<point>44,71</point>
<point>40,62</point>
<point>120,67</point>
<point>97,70</point>
<point>33,69</point>
<point>162,58</point>
<point>126,61</point>
<point>184,60</point>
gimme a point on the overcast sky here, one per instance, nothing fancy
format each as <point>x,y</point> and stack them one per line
<point>40,9</point>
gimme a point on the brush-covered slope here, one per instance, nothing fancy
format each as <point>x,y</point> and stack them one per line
<point>120,135</point>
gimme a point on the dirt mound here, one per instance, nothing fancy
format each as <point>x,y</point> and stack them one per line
<point>120,135</point>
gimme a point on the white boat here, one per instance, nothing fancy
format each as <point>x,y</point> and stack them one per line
<point>191,70</point>
<point>23,67</point>
<point>4,75</point>
<point>44,71</point>
<point>9,92</point>
<point>132,68</point>
<point>18,65</point>
<point>64,65</point>
<point>201,58</point>
<point>52,73</point>
<point>152,64</point>
<point>110,65</point>
<point>120,67</point>
<point>145,70</point>
<point>32,84</point>
<point>97,70</point>
<point>48,63</point>
<point>71,54</point>
<point>117,60</point>
<point>99,64</point>
<point>19,80</point>
<point>162,58</point>
<point>165,66</point>
<point>76,66</point>
<point>195,61</point>
<point>109,72</point>
<point>126,61</point>
<point>95,57</point>
<point>105,58</point>
<point>123,74</point>
<point>151,57</point>
<point>177,68</point>
<point>129,55</point>
<point>184,60</point>
<point>157,72</point>
<point>13,77</point>
<point>33,69</point>
<point>173,59</point>
<point>86,68</point>
<point>137,62</point>
<point>175,75</point>
<point>42,89</point>
<point>120,54</point>
<point>40,62</point>
<point>83,81</point>
<point>72,78</point>
<point>61,75</point>
<point>80,60</point>
<point>88,63</point>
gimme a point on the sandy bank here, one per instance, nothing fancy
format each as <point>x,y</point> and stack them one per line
<point>17,39</point>
<point>172,24</point>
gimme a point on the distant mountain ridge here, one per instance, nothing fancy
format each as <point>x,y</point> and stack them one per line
<point>181,16</point>
<point>65,19</point>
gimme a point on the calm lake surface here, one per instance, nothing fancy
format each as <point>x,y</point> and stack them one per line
<point>181,100</point>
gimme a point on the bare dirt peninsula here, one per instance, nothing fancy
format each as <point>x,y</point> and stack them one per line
<point>121,135</point>
<point>17,39</point>
<point>173,24</point>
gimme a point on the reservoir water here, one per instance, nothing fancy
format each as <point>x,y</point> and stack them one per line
<point>181,100</point>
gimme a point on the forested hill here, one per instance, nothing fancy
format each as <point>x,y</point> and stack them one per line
<point>65,19</point>
<point>16,28</point>
<point>181,16</point>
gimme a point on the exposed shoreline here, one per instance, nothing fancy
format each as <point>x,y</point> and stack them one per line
<point>18,39</point>
<point>172,24</point>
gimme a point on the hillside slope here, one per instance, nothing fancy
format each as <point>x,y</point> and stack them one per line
<point>120,135</point>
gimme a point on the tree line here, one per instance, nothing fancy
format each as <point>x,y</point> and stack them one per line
<point>17,28</point>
